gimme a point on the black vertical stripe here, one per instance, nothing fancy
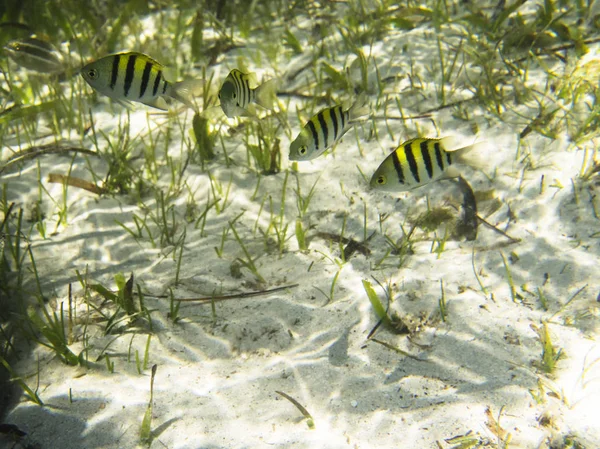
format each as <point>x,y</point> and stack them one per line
<point>344,117</point>
<point>427,157</point>
<point>156,83</point>
<point>315,135</point>
<point>412,163</point>
<point>165,84</point>
<point>438,155</point>
<point>241,90</point>
<point>115,71</point>
<point>398,166</point>
<point>145,78</point>
<point>333,115</point>
<point>129,73</point>
<point>448,157</point>
<point>236,87</point>
<point>324,127</point>
<point>246,88</point>
<point>237,90</point>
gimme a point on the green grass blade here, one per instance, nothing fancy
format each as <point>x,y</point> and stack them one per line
<point>309,419</point>
<point>376,303</point>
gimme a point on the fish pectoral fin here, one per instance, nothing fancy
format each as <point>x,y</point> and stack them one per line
<point>158,103</point>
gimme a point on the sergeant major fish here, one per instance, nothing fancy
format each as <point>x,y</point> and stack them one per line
<point>420,161</point>
<point>36,54</point>
<point>236,94</point>
<point>325,129</point>
<point>135,77</point>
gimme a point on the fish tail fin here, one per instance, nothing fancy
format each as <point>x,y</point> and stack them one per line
<point>475,155</point>
<point>185,91</point>
<point>266,93</point>
<point>359,108</point>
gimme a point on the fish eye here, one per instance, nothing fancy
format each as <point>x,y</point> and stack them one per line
<point>93,73</point>
<point>235,96</point>
<point>302,149</point>
<point>381,180</point>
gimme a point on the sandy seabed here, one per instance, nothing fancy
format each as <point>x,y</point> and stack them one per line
<point>217,375</point>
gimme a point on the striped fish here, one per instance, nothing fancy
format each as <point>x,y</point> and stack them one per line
<point>134,77</point>
<point>236,94</point>
<point>420,161</point>
<point>324,130</point>
<point>36,54</point>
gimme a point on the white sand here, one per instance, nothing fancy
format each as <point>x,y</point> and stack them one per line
<point>217,378</point>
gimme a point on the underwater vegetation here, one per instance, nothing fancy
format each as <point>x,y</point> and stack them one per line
<point>279,159</point>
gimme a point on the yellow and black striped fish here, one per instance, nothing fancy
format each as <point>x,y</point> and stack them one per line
<point>236,94</point>
<point>134,77</point>
<point>419,161</point>
<point>323,130</point>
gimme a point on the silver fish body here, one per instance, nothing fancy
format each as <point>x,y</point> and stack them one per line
<point>236,94</point>
<point>320,133</point>
<point>133,77</point>
<point>324,130</point>
<point>419,161</point>
<point>36,54</point>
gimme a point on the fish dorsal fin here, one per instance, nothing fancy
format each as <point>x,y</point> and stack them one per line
<point>475,155</point>
<point>266,93</point>
<point>359,108</point>
<point>252,80</point>
<point>406,142</point>
<point>144,56</point>
<point>167,71</point>
<point>454,143</point>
